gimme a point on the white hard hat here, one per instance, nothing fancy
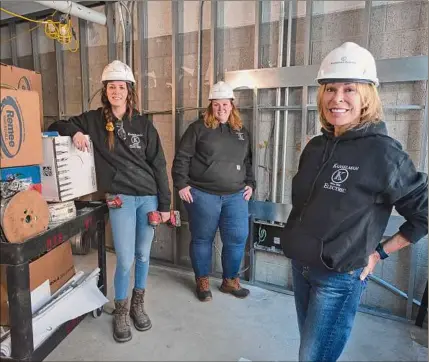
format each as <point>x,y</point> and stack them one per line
<point>117,70</point>
<point>349,62</point>
<point>221,90</point>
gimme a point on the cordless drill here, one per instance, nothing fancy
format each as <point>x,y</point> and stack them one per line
<point>154,219</point>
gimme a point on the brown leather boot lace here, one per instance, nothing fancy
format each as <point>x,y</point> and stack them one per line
<point>137,302</point>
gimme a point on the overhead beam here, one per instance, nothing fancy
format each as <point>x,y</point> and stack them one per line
<point>407,69</point>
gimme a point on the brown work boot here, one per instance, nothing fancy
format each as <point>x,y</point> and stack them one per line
<point>137,313</point>
<point>233,287</point>
<point>203,289</point>
<point>121,321</point>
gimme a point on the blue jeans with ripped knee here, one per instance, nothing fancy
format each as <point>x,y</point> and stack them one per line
<point>132,238</point>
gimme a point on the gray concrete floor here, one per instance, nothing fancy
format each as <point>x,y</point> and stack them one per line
<point>262,327</point>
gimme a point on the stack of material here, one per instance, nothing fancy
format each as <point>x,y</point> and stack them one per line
<point>23,211</point>
<point>50,165</point>
<point>67,174</point>
<point>61,212</point>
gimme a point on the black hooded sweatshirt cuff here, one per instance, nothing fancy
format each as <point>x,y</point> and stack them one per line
<point>164,207</point>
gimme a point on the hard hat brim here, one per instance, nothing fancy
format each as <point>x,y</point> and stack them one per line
<point>117,80</point>
<point>346,80</point>
<point>214,99</point>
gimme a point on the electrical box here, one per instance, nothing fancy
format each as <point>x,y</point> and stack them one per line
<point>266,236</point>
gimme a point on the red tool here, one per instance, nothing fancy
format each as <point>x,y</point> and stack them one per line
<point>154,218</point>
<point>114,202</point>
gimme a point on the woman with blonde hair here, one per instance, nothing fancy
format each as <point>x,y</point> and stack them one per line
<point>131,170</point>
<point>348,182</point>
<point>212,171</point>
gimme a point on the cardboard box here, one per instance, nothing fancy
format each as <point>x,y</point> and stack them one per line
<point>13,179</point>
<point>22,79</point>
<point>67,173</point>
<point>56,266</point>
<point>20,133</point>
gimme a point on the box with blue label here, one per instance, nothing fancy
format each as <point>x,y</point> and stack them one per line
<point>15,179</point>
<point>20,135</point>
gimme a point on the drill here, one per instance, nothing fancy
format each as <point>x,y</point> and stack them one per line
<point>154,219</point>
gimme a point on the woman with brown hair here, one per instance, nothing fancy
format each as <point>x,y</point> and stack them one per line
<point>212,171</point>
<point>131,170</point>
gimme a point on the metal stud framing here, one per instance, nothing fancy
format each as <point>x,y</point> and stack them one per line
<point>274,174</point>
<point>13,47</point>
<point>176,51</point>
<point>111,31</point>
<point>177,46</point>
<point>200,55</point>
<point>84,63</point>
<point>307,61</point>
<point>59,55</point>
<point>142,25</point>
<point>367,22</point>
<point>213,42</point>
<point>291,10</point>
<point>35,50</point>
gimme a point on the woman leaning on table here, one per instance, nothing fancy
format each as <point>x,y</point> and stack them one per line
<point>131,169</point>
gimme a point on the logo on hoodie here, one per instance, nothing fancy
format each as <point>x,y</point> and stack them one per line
<point>240,136</point>
<point>135,140</point>
<point>339,176</point>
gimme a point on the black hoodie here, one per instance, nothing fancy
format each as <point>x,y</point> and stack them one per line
<point>136,166</point>
<point>217,161</point>
<point>343,195</point>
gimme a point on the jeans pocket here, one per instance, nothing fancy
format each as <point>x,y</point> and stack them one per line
<point>193,192</point>
<point>356,275</point>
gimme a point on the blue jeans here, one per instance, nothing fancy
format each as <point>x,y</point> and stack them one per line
<point>132,238</point>
<point>326,305</point>
<point>208,212</point>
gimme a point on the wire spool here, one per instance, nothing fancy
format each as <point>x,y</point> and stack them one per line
<point>81,243</point>
<point>23,216</point>
<point>61,212</point>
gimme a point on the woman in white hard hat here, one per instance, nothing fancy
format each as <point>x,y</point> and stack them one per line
<point>212,171</point>
<point>348,181</point>
<point>131,169</point>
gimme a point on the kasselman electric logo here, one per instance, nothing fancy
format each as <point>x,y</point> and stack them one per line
<point>12,133</point>
<point>24,83</point>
